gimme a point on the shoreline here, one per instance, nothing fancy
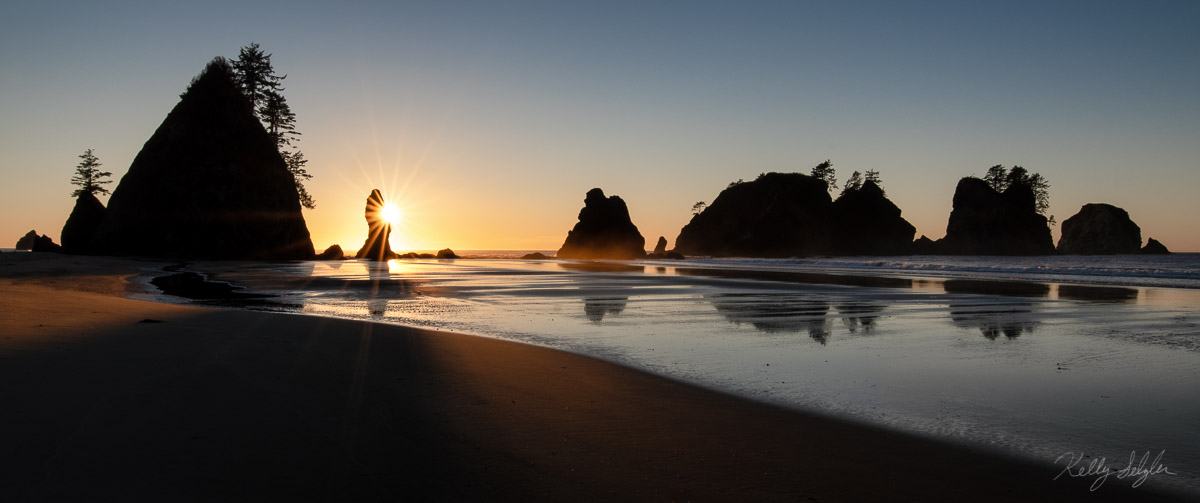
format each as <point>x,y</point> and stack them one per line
<point>115,398</point>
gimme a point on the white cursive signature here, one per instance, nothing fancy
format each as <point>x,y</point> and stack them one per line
<point>1098,467</point>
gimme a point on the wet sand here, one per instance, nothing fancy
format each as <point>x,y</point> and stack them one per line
<point>107,398</point>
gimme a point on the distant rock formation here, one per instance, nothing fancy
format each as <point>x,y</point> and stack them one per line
<point>82,224</point>
<point>376,247</point>
<point>332,253</point>
<point>1100,229</point>
<point>26,242</point>
<point>534,256</point>
<point>1153,247</point>
<point>923,246</point>
<point>986,222</point>
<point>865,222</point>
<point>447,254</point>
<point>33,242</point>
<point>604,230</point>
<point>777,215</point>
<point>209,183</point>
<point>660,251</point>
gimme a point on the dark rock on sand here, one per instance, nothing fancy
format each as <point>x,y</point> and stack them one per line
<point>661,247</point>
<point>777,215</point>
<point>82,224</point>
<point>26,242</point>
<point>1100,229</point>
<point>604,230</point>
<point>534,256</point>
<point>986,222</point>
<point>209,183</point>
<point>865,222</point>
<point>1153,247</point>
<point>332,253</point>
<point>447,254</point>
<point>923,246</point>
<point>376,247</point>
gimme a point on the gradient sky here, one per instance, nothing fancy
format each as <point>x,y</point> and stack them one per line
<point>487,122</point>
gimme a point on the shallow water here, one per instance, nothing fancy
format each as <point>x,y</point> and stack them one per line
<point>1038,369</point>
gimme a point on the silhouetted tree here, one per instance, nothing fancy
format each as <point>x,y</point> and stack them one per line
<point>256,76</point>
<point>698,207</point>
<point>997,177</point>
<point>826,172</point>
<point>88,176</point>
<point>1001,178</point>
<point>853,183</point>
<point>873,177</point>
<point>295,163</point>
<point>279,119</point>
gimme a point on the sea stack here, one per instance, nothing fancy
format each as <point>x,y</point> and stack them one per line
<point>604,231</point>
<point>986,222</point>
<point>26,242</point>
<point>777,215</point>
<point>1100,229</point>
<point>866,222</point>
<point>208,184</point>
<point>1153,247</point>
<point>82,224</point>
<point>379,231</point>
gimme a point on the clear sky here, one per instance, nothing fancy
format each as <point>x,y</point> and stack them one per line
<point>487,122</point>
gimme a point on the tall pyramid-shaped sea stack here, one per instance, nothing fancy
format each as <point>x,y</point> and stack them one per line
<point>209,184</point>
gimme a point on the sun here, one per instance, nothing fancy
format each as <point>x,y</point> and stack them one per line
<point>391,213</point>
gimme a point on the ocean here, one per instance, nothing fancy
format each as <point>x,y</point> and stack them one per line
<point>1039,357</point>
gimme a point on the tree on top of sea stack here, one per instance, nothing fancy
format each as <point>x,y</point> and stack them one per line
<point>81,225</point>
<point>255,76</point>
<point>209,183</point>
<point>88,176</point>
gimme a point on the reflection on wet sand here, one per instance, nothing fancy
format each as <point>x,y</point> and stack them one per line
<point>596,308</point>
<point>600,267</point>
<point>799,277</point>
<point>1113,294</point>
<point>857,316</point>
<point>994,320</point>
<point>776,313</point>
<point>1010,288</point>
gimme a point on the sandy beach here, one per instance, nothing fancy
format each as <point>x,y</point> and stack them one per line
<point>107,398</point>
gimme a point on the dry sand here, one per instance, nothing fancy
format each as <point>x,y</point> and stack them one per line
<point>104,398</point>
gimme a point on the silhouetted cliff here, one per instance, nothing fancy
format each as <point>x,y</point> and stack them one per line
<point>209,183</point>
<point>865,222</point>
<point>604,230</point>
<point>1100,229</point>
<point>986,222</point>
<point>777,215</point>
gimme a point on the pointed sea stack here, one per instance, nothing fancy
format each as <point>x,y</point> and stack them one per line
<point>209,184</point>
<point>1153,247</point>
<point>986,222</point>
<point>1100,229</point>
<point>82,224</point>
<point>777,215</point>
<point>866,222</point>
<point>379,231</point>
<point>604,230</point>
